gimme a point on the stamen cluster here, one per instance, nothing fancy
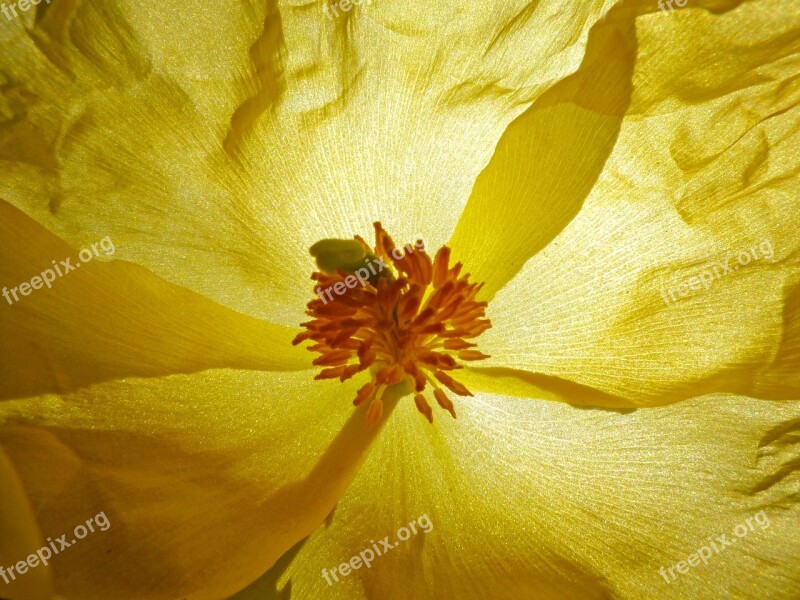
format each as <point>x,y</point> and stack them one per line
<point>410,322</point>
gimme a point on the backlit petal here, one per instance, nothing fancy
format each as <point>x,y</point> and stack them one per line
<point>543,500</point>
<point>548,159</point>
<point>206,479</point>
<point>107,319</point>
<point>216,143</point>
<point>633,298</point>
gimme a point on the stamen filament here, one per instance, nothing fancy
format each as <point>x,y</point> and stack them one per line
<point>409,322</point>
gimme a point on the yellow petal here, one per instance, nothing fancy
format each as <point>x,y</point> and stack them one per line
<point>548,160</point>
<point>106,319</point>
<point>680,275</point>
<point>19,537</point>
<point>542,500</point>
<point>205,479</point>
<point>218,143</point>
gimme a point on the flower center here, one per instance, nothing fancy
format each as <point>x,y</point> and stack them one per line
<point>395,312</point>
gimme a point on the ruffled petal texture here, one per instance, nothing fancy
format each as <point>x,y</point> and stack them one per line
<point>202,471</point>
<point>17,523</point>
<point>680,274</point>
<point>93,319</point>
<point>608,160</point>
<point>205,479</point>
<point>213,145</point>
<point>548,160</point>
<point>543,500</point>
<point>217,143</point>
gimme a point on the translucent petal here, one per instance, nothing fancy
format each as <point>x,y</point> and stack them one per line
<point>107,319</point>
<point>543,500</point>
<point>217,143</point>
<point>680,276</point>
<point>205,479</point>
<point>548,160</point>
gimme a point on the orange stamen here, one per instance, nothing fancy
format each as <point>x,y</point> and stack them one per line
<point>444,401</point>
<point>410,323</point>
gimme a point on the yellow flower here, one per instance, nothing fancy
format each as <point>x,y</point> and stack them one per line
<point>602,167</point>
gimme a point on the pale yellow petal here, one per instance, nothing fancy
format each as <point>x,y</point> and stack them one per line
<point>218,142</point>
<point>548,160</point>
<point>680,276</point>
<point>107,319</point>
<point>19,537</point>
<point>205,479</point>
<point>533,499</point>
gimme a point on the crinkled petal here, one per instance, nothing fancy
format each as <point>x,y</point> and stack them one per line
<point>205,479</point>
<point>543,500</point>
<point>548,160</point>
<point>108,319</point>
<point>218,142</point>
<point>681,274</point>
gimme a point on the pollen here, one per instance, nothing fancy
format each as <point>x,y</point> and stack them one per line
<point>396,314</point>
